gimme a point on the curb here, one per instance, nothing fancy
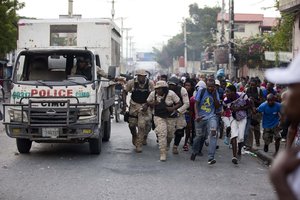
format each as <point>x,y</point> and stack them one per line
<point>263,156</point>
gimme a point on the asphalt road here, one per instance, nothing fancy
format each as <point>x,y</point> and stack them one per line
<point>68,171</point>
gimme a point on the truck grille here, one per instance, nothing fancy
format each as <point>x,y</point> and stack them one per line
<point>52,116</point>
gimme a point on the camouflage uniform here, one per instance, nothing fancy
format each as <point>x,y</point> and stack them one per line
<point>139,119</point>
<point>164,127</point>
<point>270,133</point>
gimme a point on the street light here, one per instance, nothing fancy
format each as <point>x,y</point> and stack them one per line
<point>185,44</point>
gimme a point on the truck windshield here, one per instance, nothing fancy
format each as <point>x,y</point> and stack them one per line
<point>53,67</point>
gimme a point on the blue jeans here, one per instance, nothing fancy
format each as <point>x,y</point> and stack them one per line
<point>204,129</point>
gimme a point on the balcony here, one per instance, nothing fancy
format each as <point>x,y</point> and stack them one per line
<point>289,5</point>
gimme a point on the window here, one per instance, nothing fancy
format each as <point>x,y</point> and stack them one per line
<point>115,53</point>
<point>239,27</point>
<point>63,35</point>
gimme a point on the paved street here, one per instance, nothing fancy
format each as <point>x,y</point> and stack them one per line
<point>68,171</point>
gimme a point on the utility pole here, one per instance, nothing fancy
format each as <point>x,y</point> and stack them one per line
<point>233,71</point>
<point>113,9</point>
<point>70,11</point>
<point>185,45</point>
<point>126,59</point>
<point>130,46</point>
<point>222,38</point>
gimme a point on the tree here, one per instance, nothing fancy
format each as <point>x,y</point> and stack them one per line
<point>199,36</point>
<point>8,25</point>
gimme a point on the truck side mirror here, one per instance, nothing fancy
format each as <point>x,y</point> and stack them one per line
<point>98,61</point>
<point>111,72</point>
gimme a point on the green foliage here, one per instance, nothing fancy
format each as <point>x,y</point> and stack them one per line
<point>198,26</point>
<point>282,38</point>
<point>251,51</point>
<point>8,25</point>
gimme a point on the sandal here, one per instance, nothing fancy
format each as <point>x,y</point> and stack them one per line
<point>185,147</point>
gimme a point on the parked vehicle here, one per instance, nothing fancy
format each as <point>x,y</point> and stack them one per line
<point>50,101</point>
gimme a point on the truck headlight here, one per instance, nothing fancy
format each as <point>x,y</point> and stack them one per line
<point>85,113</point>
<point>16,115</point>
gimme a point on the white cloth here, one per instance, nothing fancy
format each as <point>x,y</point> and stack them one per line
<point>288,75</point>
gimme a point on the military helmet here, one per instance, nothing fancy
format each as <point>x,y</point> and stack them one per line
<point>141,72</point>
<point>160,84</point>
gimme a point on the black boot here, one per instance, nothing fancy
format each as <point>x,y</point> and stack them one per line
<point>266,148</point>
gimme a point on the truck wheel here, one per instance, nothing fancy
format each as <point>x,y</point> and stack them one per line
<point>95,145</point>
<point>23,145</point>
<point>107,130</point>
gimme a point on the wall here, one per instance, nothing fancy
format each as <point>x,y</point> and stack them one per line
<point>251,29</point>
<point>193,67</point>
<point>296,43</point>
<point>251,72</point>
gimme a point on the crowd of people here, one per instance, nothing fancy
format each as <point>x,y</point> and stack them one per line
<point>203,110</point>
<point>206,109</point>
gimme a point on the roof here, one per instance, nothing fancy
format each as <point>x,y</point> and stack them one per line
<point>243,17</point>
<point>269,22</point>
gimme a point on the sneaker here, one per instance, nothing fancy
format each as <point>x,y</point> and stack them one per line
<point>200,154</point>
<point>234,160</point>
<point>175,150</point>
<point>266,148</point>
<point>283,140</point>
<point>185,147</point>
<point>226,140</point>
<point>211,161</point>
<point>193,157</point>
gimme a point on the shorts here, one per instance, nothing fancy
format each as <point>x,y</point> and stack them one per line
<point>238,129</point>
<point>270,133</point>
<point>227,121</point>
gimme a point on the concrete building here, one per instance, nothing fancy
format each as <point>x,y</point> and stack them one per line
<point>246,25</point>
<point>293,6</point>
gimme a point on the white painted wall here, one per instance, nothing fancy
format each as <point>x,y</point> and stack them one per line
<point>296,44</point>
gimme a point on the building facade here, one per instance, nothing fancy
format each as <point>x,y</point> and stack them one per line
<point>293,6</point>
<point>246,25</point>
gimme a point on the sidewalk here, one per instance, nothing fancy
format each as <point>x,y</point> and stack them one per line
<point>266,157</point>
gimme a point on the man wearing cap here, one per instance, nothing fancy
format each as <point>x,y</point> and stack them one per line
<point>286,166</point>
<point>182,93</point>
<point>139,118</point>
<point>165,103</point>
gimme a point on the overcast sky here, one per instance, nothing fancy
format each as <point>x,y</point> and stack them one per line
<point>153,22</point>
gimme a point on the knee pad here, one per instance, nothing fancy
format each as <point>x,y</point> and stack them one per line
<point>179,132</point>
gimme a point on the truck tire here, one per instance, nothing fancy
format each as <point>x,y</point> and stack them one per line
<point>23,145</point>
<point>95,145</point>
<point>107,130</point>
